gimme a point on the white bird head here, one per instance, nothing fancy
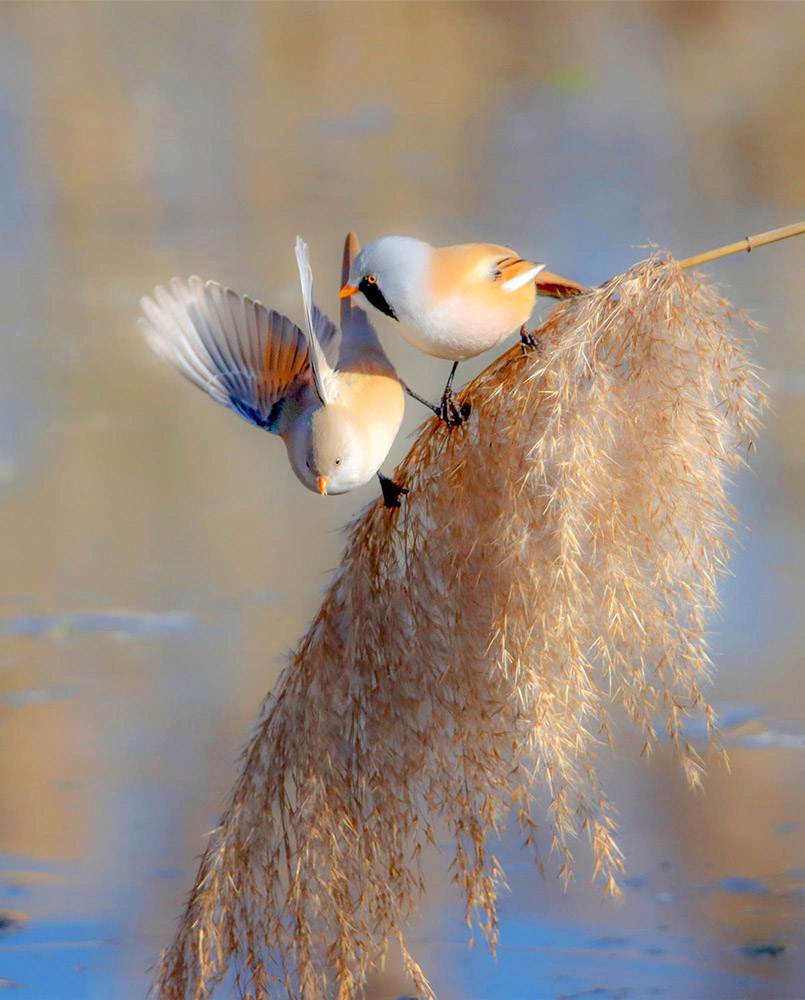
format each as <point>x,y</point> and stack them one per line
<point>390,273</point>
<point>328,453</point>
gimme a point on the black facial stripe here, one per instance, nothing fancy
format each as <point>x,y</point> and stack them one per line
<point>373,294</point>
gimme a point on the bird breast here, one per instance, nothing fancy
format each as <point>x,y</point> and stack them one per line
<point>376,404</point>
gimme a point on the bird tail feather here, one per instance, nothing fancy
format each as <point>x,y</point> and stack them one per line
<point>557,288</point>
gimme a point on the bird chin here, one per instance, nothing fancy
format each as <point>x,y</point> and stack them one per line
<point>336,489</point>
<point>346,485</point>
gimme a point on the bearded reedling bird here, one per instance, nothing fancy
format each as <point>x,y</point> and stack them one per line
<point>452,302</point>
<point>331,395</point>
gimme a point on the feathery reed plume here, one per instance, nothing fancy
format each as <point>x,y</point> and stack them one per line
<point>555,556</point>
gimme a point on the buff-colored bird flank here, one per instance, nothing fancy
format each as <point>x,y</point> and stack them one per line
<point>460,280</point>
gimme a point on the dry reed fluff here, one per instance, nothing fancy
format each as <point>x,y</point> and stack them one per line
<point>556,555</point>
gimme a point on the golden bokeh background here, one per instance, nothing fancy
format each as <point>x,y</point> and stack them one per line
<point>158,555</point>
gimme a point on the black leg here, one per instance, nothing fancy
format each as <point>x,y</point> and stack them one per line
<point>452,414</point>
<point>448,410</point>
<point>421,399</point>
<point>391,491</point>
<point>449,387</point>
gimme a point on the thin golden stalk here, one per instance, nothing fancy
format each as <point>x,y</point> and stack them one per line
<point>553,286</point>
<point>748,243</point>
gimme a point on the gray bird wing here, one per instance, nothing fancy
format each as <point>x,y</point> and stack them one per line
<point>324,337</point>
<point>245,356</point>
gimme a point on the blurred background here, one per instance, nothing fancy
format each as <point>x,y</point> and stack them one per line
<point>159,558</point>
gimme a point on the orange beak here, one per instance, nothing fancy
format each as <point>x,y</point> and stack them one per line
<point>347,290</point>
<point>323,482</point>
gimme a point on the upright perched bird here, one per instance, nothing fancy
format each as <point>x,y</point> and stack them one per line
<point>331,395</point>
<point>452,302</point>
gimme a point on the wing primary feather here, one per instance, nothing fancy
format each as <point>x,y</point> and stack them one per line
<point>229,338</point>
<point>202,314</point>
<point>178,303</point>
<point>236,316</point>
<point>317,323</point>
<point>167,337</point>
<point>184,364</point>
<point>209,297</point>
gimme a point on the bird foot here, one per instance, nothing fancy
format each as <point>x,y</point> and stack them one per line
<point>450,412</point>
<point>392,492</point>
<point>528,341</point>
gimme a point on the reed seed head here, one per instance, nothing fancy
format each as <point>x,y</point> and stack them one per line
<point>556,557</point>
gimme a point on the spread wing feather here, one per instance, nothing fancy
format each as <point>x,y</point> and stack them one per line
<point>243,355</point>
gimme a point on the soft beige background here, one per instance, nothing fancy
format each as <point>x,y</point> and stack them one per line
<point>159,558</point>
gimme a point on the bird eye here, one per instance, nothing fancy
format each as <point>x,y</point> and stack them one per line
<point>338,461</point>
<point>372,279</point>
<point>307,464</point>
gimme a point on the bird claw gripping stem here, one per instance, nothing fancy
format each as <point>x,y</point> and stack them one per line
<point>392,492</point>
<point>450,412</point>
<point>528,341</point>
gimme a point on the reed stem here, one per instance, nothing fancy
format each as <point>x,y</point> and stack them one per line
<point>748,243</point>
